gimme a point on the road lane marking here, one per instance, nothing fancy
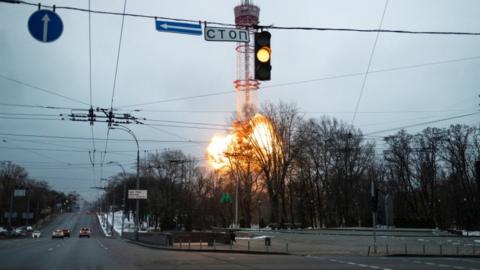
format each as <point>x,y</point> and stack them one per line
<point>356,264</point>
<point>441,265</point>
<point>101,245</point>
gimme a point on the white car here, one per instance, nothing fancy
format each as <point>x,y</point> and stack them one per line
<point>36,234</point>
<point>57,234</point>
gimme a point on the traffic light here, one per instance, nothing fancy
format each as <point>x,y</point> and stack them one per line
<point>263,54</point>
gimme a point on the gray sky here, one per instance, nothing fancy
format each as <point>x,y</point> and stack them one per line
<point>156,66</point>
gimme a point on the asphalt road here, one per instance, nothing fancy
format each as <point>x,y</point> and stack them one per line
<point>99,252</point>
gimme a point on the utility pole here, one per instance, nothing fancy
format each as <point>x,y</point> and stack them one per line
<point>185,214</point>
<point>11,209</point>
<point>236,204</point>
<point>236,155</point>
<point>137,201</point>
<point>374,205</point>
<point>28,207</point>
<point>477,171</point>
<point>113,211</point>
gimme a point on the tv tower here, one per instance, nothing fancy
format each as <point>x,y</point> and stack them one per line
<point>246,16</point>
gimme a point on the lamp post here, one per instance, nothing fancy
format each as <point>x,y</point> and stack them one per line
<point>137,202</point>
<point>260,218</point>
<point>124,202</point>
<point>230,156</point>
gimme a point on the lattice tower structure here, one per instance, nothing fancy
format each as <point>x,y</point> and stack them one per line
<point>246,16</point>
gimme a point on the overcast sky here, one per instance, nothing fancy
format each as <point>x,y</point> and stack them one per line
<point>155,66</point>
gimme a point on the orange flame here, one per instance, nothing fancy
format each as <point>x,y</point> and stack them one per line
<point>216,151</point>
<point>257,133</point>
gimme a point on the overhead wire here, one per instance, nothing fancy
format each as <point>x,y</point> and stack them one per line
<point>63,150</point>
<point>409,120</point>
<point>88,138</point>
<point>331,77</point>
<point>187,123</point>
<point>27,118</point>
<point>36,153</point>
<point>191,127</point>
<point>422,123</point>
<point>167,132</point>
<point>92,158</point>
<point>365,76</point>
<point>37,106</point>
<point>28,114</point>
<point>91,155</point>
<point>114,85</point>
<point>306,28</point>
<point>47,143</point>
<point>41,89</point>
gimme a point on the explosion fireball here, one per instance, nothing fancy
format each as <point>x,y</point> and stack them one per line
<point>258,133</point>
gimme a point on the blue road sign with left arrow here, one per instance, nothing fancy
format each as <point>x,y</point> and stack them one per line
<point>45,25</point>
<point>179,27</point>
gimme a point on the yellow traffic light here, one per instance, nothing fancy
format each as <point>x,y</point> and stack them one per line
<point>263,55</point>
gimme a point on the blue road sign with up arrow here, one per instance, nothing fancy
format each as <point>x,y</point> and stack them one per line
<point>179,28</point>
<point>45,25</point>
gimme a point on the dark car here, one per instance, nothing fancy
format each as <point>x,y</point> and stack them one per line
<point>66,232</point>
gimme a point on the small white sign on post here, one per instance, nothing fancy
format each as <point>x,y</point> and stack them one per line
<point>137,194</point>
<point>226,34</point>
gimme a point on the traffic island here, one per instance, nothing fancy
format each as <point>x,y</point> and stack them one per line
<point>205,247</point>
<point>207,242</point>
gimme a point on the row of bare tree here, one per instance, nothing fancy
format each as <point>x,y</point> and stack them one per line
<point>316,173</point>
<point>39,198</point>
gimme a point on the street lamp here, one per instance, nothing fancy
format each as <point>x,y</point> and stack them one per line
<point>137,203</point>
<point>124,202</point>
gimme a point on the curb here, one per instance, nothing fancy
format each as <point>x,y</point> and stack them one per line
<point>433,255</point>
<point>356,234</point>
<point>208,250</point>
